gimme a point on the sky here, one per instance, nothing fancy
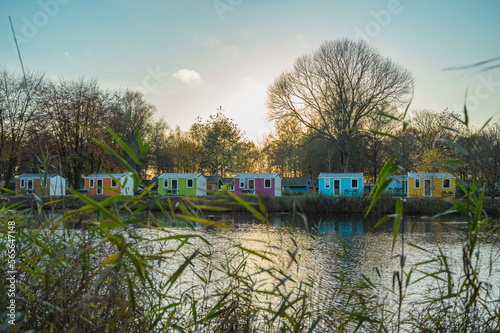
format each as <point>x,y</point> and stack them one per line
<point>190,57</point>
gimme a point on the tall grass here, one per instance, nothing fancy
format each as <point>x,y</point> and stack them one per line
<point>135,274</point>
<point>458,301</point>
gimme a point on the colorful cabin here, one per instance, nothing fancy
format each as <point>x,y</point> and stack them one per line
<point>40,184</point>
<point>214,183</point>
<point>228,184</point>
<point>191,184</point>
<point>258,183</point>
<point>109,184</point>
<point>436,185</point>
<point>296,184</point>
<point>347,184</point>
<point>314,187</point>
<point>154,185</point>
<point>398,185</point>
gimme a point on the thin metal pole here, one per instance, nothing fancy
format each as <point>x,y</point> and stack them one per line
<point>19,54</point>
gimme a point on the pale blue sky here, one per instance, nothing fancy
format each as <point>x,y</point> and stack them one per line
<point>190,57</point>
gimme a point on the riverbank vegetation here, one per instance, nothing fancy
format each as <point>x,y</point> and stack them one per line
<point>305,203</point>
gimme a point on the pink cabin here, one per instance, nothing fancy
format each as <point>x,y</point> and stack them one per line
<point>258,183</point>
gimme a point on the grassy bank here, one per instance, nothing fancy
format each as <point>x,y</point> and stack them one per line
<point>307,203</point>
<point>108,277</point>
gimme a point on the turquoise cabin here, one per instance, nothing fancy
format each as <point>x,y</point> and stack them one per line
<point>336,184</point>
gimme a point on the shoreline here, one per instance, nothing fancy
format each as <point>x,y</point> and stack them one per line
<point>307,203</point>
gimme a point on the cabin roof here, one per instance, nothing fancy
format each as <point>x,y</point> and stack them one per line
<point>181,175</point>
<point>228,180</point>
<point>430,174</point>
<point>36,175</point>
<point>399,177</point>
<point>106,175</point>
<point>257,175</point>
<point>212,179</point>
<point>341,175</point>
<point>295,181</point>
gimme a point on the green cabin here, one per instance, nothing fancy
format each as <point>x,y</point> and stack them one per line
<point>192,184</point>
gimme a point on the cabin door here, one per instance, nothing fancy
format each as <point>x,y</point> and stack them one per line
<point>336,187</point>
<point>99,189</point>
<point>427,188</point>
<point>174,186</point>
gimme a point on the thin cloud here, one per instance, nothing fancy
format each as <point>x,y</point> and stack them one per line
<point>187,76</point>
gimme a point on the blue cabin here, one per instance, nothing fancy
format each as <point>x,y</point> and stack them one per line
<point>347,184</point>
<point>296,184</point>
<point>398,185</point>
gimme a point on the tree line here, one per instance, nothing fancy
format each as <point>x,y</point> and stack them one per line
<point>328,113</point>
<point>59,121</point>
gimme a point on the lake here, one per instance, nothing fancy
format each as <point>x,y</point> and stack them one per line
<point>328,252</point>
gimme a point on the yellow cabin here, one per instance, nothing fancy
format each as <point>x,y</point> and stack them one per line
<point>436,185</point>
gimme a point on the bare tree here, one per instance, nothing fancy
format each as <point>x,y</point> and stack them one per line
<point>486,156</point>
<point>19,112</point>
<point>133,113</point>
<point>429,129</point>
<point>76,112</point>
<point>332,91</point>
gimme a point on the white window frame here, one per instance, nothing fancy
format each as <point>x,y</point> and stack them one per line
<point>165,182</point>
<point>91,183</point>
<point>22,183</point>
<point>242,183</point>
<point>327,183</point>
<point>113,181</point>
<point>187,183</point>
<point>270,183</point>
<point>449,184</point>
<point>28,184</point>
<point>415,182</point>
<point>357,183</point>
<point>251,180</point>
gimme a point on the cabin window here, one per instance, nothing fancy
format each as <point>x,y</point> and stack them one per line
<point>446,183</point>
<point>327,183</point>
<point>354,183</point>
<point>30,184</point>
<point>242,183</point>
<point>165,183</point>
<point>267,183</point>
<point>417,182</point>
<point>113,183</point>
<point>91,183</point>
<point>251,184</point>
<point>21,183</point>
<point>232,188</point>
<point>189,183</point>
